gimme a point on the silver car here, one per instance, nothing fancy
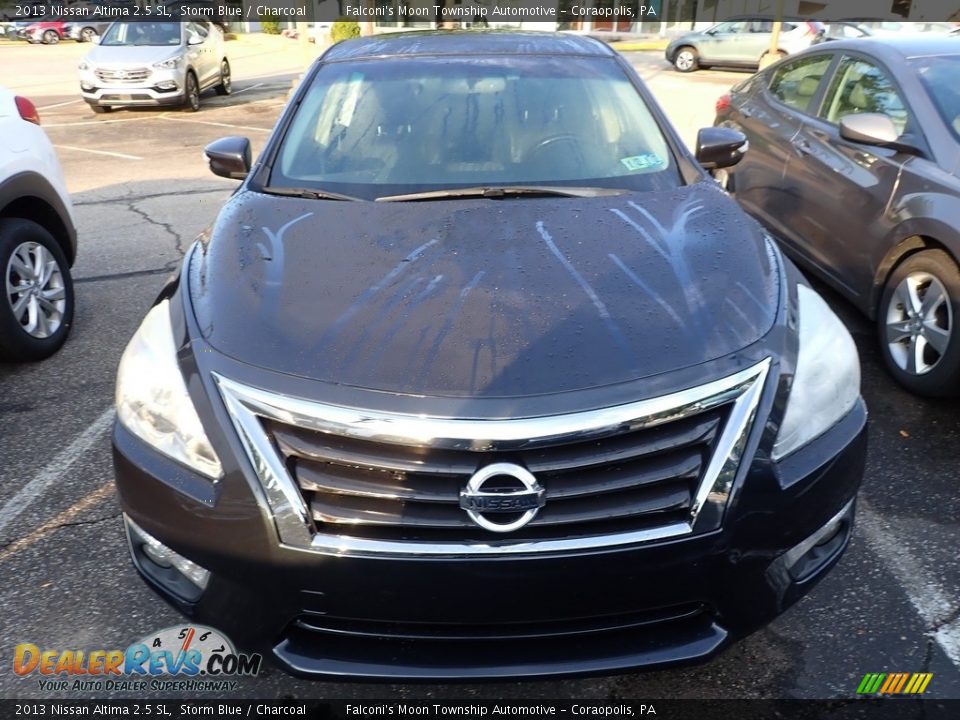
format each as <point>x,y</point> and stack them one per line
<point>155,63</point>
<point>739,42</point>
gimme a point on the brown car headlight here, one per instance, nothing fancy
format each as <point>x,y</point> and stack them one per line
<point>826,383</point>
<point>152,399</point>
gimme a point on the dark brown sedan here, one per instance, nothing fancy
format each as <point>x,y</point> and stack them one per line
<point>853,164</point>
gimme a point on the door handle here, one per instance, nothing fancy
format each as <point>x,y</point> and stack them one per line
<point>802,146</point>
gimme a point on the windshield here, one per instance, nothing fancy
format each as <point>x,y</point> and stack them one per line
<point>387,127</point>
<point>939,76</point>
<point>142,33</point>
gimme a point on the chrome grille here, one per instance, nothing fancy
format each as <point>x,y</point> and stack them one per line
<point>343,480</point>
<point>388,491</point>
<point>134,75</point>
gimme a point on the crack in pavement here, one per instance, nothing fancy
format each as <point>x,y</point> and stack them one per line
<point>177,240</point>
<point>65,518</point>
<point>150,196</point>
<point>4,544</point>
<point>11,547</point>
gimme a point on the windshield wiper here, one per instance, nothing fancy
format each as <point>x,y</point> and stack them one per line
<point>309,193</point>
<point>505,192</point>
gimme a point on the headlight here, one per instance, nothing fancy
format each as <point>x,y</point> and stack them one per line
<point>152,399</point>
<point>826,384</point>
<point>169,63</point>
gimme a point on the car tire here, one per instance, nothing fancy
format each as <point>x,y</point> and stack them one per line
<point>87,34</point>
<point>191,93</point>
<point>226,83</point>
<point>917,324</point>
<point>24,334</point>
<point>51,37</point>
<point>100,109</point>
<point>686,59</point>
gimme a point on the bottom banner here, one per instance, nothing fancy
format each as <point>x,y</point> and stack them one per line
<point>887,709</point>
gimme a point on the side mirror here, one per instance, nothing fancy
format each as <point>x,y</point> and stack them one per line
<point>229,157</point>
<point>868,128</point>
<point>873,129</point>
<point>720,147</point>
<point>194,40</point>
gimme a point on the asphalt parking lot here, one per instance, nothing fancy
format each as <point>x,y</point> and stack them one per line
<point>142,192</point>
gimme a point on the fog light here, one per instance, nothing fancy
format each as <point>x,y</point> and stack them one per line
<point>167,85</point>
<point>164,557</point>
<point>812,554</point>
<point>86,86</point>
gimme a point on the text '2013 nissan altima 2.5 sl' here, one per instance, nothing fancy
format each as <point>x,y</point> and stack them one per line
<point>480,374</point>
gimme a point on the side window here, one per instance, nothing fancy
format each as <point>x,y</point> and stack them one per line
<point>726,28</point>
<point>862,87</point>
<point>196,30</point>
<point>795,83</point>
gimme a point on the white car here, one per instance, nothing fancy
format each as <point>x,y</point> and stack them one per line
<point>38,239</point>
<point>155,63</point>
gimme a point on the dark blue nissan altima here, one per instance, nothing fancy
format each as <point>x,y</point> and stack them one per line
<point>479,374</point>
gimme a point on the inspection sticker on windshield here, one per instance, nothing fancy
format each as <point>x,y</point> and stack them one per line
<point>642,162</point>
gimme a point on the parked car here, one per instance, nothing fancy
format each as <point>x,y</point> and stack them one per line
<point>853,164</point>
<point>86,30</point>
<point>841,31</point>
<point>38,240</point>
<point>739,42</point>
<point>155,63</point>
<point>474,330</point>
<point>893,28</point>
<point>47,32</point>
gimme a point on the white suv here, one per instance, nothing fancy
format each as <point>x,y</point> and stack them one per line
<point>155,63</point>
<point>38,240</point>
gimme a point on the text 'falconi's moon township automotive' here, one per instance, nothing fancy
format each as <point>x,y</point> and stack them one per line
<point>479,374</point>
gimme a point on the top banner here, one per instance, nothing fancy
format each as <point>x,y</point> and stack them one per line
<point>638,16</point>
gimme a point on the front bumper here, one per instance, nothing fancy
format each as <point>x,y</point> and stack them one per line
<point>160,88</point>
<point>607,610</point>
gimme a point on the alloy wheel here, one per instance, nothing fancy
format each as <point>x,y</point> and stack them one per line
<point>919,322</point>
<point>35,290</point>
<point>685,60</point>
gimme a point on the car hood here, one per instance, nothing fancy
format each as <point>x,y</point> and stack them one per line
<point>130,55</point>
<point>480,297</point>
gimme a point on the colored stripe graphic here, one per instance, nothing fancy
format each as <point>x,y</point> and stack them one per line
<point>894,683</point>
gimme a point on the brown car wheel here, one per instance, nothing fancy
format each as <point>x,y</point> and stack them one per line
<point>917,323</point>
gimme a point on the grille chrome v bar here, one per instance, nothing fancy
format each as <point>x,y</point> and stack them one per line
<point>292,516</point>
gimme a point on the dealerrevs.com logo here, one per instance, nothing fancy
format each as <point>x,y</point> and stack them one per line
<point>189,658</point>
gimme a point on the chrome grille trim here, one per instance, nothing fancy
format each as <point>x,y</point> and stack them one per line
<point>292,516</point>
<point>133,75</point>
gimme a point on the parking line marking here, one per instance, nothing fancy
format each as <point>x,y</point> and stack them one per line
<point>208,122</point>
<point>931,601</point>
<point>99,152</point>
<point>94,498</point>
<point>251,87</point>
<point>55,469</point>
<point>69,102</point>
<point>99,122</point>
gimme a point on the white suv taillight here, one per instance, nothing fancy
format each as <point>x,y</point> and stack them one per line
<point>28,111</point>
